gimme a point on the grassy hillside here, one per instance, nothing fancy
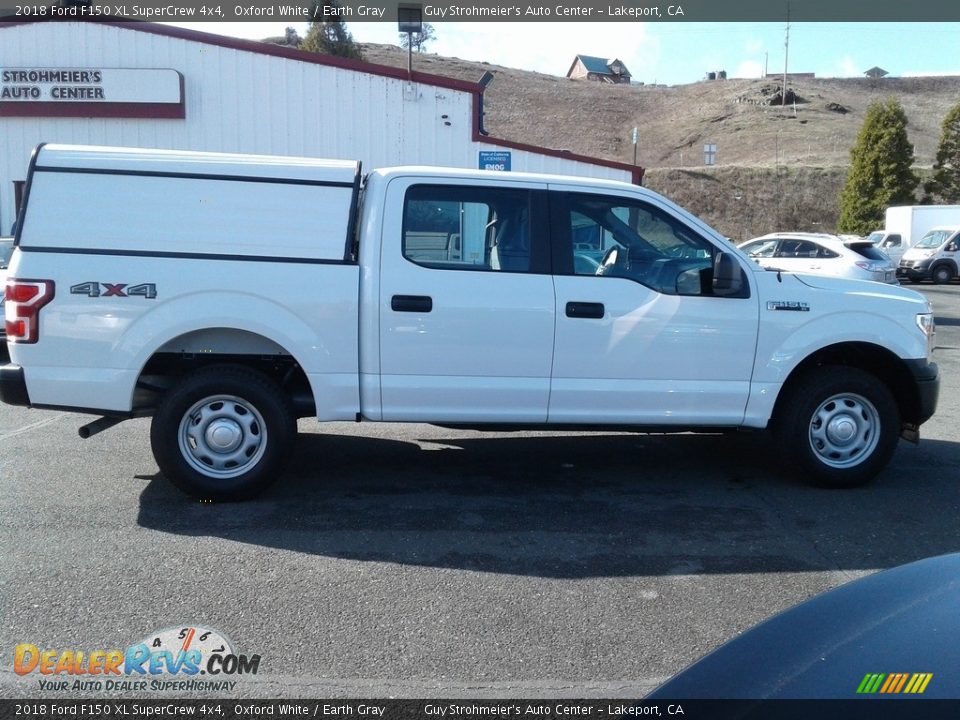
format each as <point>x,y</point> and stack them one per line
<point>786,165</point>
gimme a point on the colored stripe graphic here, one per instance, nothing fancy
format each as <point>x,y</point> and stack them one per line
<point>899,687</point>
<point>918,683</point>
<point>894,683</point>
<point>870,683</point>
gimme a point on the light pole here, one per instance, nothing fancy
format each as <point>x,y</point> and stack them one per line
<point>410,21</point>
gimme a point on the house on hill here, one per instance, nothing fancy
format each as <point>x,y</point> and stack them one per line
<point>599,69</point>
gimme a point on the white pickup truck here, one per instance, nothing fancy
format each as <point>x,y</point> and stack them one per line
<point>228,295</point>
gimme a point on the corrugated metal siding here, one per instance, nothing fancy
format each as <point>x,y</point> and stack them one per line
<point>239,101</point>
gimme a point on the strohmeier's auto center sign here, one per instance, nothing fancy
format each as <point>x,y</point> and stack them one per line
<point>91,92</point>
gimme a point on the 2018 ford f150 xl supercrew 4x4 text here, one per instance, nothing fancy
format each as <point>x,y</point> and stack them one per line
<point>227,295</point>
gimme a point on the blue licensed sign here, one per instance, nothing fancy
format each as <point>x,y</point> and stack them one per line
<point>494,160</point>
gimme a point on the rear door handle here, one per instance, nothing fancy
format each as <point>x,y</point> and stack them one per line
<point>585,310</point>
<point>411,303</point>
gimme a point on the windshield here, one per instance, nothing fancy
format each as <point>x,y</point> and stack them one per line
<point>934,239</point>
<point>6,250</point>
<point>875,237</point>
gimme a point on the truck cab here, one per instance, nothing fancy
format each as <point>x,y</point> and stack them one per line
<point>890,243</point>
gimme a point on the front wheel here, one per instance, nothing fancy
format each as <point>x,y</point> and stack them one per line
<point>942,274</point>
<point>223,433</point>
<point>838,427</point>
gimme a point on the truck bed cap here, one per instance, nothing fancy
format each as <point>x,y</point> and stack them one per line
<point>176,162</point>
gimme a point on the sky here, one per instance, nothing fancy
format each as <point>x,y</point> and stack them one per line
<point>675,53</point>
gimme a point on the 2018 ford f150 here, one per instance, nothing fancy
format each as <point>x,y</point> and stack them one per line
<point>228,295</point>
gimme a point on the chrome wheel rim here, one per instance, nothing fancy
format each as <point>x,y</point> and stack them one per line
<point>844,430</point>
<point>222,436</point>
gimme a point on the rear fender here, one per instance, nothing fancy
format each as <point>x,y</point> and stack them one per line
<point>212,323</point>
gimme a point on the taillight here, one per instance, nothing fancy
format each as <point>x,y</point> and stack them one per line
<point>22,304</point>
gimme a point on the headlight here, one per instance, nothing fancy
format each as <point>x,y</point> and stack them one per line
<point>929,328</point>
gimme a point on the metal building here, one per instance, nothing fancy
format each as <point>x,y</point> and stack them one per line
<point>148,85</point>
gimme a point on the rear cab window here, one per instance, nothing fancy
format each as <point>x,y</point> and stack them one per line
<point>468,228</point>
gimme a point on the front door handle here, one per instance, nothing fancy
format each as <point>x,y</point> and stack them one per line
<point>591,310</point>
<point>411,303</point>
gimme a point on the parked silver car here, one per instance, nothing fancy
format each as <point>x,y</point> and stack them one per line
<point>821,254</point>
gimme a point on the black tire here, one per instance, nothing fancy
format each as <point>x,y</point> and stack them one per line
<point>223,433</point>
<point>942,274</point>
<point>837,427</point>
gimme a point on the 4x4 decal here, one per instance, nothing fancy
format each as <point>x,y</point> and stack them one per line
<point>93,289</point>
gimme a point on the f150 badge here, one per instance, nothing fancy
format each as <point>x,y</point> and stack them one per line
<point>793,305</point>
<point>93,289</point>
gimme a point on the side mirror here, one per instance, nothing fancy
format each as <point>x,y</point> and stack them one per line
<point>688,282</point>
<point>952,247</point>
<point>727,275</point>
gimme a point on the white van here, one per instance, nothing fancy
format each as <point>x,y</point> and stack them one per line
<point>907,224</point>
<point>936,256</point>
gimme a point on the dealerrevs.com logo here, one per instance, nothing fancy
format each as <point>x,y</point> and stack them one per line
<point>183,658</point>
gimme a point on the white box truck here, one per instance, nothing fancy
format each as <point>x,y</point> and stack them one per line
<point>228,295</point>
<point>904,225</point>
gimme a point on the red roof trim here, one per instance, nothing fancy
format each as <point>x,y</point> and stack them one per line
<point>636,172</point>
<point>149,111</point>
<point>260,48</point>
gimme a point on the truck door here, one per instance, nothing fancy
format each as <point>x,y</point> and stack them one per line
<point>640,336</point>
<point>466,302</point>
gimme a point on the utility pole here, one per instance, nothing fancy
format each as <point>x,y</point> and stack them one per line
<point>786,56</point>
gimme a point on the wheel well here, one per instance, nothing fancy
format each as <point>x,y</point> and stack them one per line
<point>180,356</point>
<point>876,360</point>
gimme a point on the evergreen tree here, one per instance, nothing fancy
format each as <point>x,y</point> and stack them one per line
<point>880,172</point>
<point>329,37</point>
<point>945,185</point>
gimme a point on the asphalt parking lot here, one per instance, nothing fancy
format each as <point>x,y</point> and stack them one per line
<point>412,561</point>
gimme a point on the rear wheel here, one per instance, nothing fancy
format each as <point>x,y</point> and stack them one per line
<point>223,433</point>
<point>838,427</point>
<point>942,274</point>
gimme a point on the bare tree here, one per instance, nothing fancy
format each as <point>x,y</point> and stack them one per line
<point>418,41</point>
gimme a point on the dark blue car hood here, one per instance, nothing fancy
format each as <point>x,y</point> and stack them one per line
<point>904,620</point>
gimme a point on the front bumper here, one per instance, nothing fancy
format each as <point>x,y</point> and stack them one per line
<point>13,386</point>
<point>914,270</point>
<point>926,379</point>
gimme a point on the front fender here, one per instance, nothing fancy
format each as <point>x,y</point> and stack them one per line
<point>782,349</point>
